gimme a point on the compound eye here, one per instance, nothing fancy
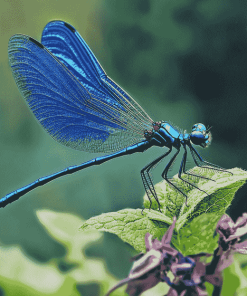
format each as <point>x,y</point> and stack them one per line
<point>199,127</point>
<point>201,138</point>
<point>197,137</point>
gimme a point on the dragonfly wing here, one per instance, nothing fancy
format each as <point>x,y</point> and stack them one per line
<point>59,101</point>
<point>69,47</point>
<point>65,43</point>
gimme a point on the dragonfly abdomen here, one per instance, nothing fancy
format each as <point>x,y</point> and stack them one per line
<point>138,147</point>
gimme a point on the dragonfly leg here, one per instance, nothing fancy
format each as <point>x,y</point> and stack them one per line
<point>182,168</point>
<point>194,175</point>
<point>199,161</point>
<point>198,176</point>
<point>165,172</point>
<point>147,179</point>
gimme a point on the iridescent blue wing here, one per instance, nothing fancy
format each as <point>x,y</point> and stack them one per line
<point>62,105</point>
<point>68,46</point>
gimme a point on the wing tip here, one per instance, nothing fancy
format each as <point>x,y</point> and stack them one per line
<point>71,28</point>
<point>15,41</point>
<point>54,22</point>
<point>36,42</point>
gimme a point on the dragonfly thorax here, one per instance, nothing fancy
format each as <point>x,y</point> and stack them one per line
<point>163,134</point>
<point>200,135</point>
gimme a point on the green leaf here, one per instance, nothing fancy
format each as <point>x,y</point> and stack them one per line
<point>232,277</point>
<point>21,275</point>
<point>63,227</point>
<point>195,223</point>
<point>196,236</point>
<point>130,225</point>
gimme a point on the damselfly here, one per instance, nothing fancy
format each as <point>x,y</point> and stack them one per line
<point>81,107</point>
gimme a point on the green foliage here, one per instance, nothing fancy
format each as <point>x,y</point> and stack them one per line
<point>238,273</point>
<point>195,223</point>
<point>234,278</point>
<point>130,225</point>
<point>19,275</point>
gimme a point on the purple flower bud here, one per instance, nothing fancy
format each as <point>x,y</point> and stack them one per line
<point>231,232</point>
<point>148,269</point>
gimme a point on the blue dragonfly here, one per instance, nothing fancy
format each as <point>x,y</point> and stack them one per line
<point>81,107</point>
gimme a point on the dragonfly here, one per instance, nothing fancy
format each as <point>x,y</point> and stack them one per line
<point>81,107</point>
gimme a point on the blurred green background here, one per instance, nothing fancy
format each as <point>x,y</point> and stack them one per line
<point>182,61</point>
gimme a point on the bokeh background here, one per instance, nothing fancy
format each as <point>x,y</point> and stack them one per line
<point>184,61</point>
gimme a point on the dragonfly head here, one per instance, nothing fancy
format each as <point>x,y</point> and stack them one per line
<point>200,135</point>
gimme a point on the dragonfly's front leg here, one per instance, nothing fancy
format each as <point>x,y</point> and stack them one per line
<point>165,172</point>
<point>147,180</point>
<point>181,170</point>
<point>200,161</point>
